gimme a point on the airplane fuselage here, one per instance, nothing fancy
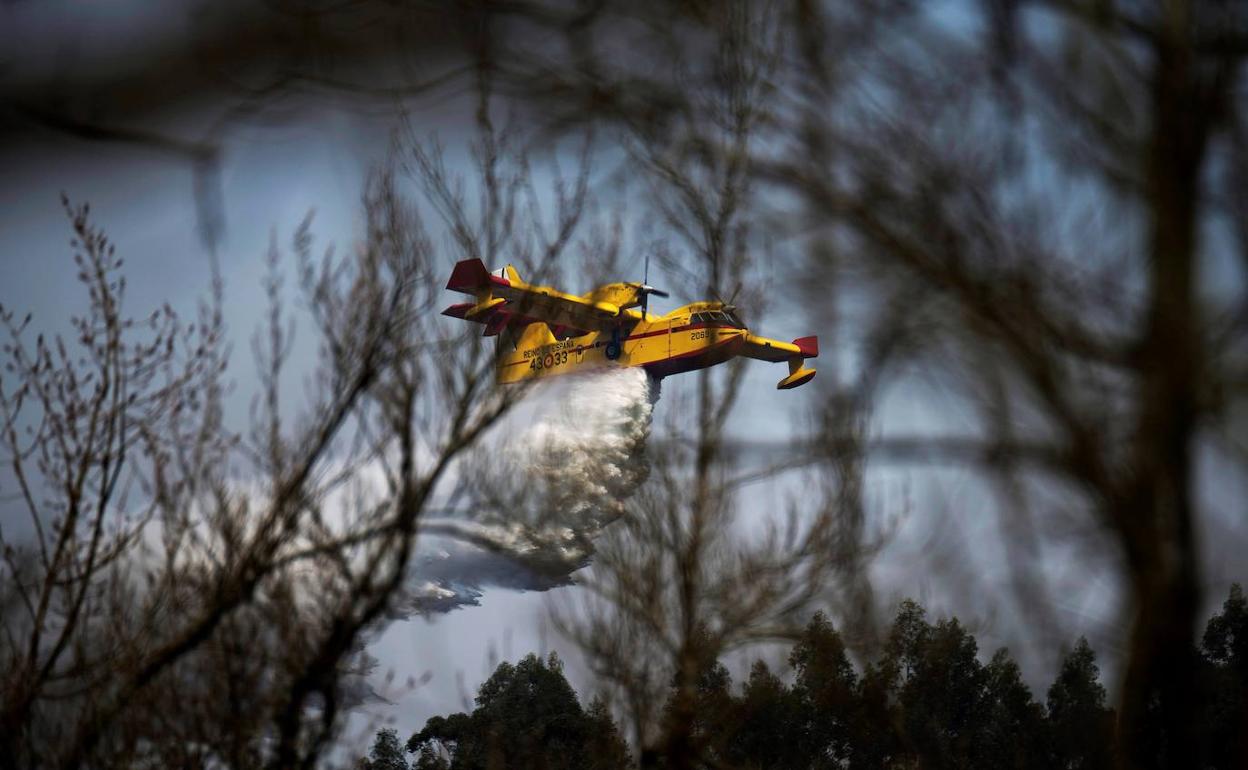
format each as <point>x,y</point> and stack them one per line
<point>543,332</point>
<point>681,341</point>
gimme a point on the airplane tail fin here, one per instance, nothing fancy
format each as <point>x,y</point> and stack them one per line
<point>808,347</point>
<point>795,353</point>
<point>470,276</point>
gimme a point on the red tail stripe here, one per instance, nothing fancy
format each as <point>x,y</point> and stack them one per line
<point>470,275</point>
<point>808,345</point>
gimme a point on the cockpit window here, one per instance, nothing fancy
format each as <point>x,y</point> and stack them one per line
<point>716,317</point>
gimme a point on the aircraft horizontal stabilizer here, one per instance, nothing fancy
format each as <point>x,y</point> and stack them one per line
<point>798,375</point>
<point>808,347</point>
<point>794,353</point>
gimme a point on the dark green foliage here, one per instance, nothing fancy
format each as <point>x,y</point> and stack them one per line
<point>1225,642</point>
<point>927,701</point>
<point>942,699</point>
<point>1013,731</point>
<point>430,758</point>
<point>1224,681</point>
<point>607,750</point>
<point>715,716</point>
<point>825,689</point>
<point>710,712</point>
<point>527,716</point>
<point>769,733</point>
<point>1080,725</point>
<point>387,753</point>
<point>876,738</point>
<point>906,641</point>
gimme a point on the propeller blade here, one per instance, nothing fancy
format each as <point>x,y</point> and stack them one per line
<point>645,290</point>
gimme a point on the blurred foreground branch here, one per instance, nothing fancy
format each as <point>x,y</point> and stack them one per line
<point>185,596</point>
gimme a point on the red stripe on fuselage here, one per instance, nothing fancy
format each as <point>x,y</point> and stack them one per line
<point>702,358</point>
<point>691,354</point>
<point>685,328</point>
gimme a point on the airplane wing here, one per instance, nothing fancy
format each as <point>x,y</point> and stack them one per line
<point>795,352</point>
<point>502,300</point>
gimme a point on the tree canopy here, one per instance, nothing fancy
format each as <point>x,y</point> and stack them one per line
<point>527,715</point>
<point>927,700</point>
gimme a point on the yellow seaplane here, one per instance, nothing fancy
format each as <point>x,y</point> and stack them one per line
<point>544,332</point>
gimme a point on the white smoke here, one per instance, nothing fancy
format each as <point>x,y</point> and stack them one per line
<point>537,499</point>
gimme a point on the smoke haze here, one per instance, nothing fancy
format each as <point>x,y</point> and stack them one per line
<point>535,498</point>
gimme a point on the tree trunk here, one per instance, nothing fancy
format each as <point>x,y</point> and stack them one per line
<point>1154,515</point>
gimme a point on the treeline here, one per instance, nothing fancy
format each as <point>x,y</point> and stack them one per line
<point>527,715</point>
<point>927,701</point>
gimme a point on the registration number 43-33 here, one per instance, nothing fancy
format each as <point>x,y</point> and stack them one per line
<point>556,358</point>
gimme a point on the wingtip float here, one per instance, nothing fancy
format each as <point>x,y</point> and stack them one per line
<point>544,332</point>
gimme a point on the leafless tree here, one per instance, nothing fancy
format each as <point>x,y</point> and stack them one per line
<point>682,579</point>
<point>1044,201</point>
<point>1040,205</point>
<point>184,595</point>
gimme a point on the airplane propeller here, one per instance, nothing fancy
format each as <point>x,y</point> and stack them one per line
<point>645,290</point>
<point>730,306</point>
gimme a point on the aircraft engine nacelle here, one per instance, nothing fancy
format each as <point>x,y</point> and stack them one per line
<point>621,295</point>
<point>608,308</point>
